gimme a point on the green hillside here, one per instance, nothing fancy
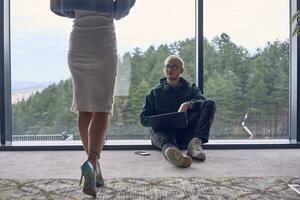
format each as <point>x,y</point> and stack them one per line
<point>238,81</point>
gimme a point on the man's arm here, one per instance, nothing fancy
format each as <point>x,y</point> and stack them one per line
<point>147,110</point>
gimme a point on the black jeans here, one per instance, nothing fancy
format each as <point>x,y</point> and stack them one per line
<point>199,122</point>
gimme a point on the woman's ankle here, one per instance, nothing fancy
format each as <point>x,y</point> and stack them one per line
<point>93,158</point>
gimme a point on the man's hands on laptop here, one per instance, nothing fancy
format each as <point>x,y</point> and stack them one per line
<point>185,106</point>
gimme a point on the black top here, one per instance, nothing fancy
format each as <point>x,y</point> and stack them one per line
<point>165,99</point>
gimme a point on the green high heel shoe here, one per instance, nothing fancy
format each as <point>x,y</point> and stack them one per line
<point>88,172</point>
<point>99,177</point>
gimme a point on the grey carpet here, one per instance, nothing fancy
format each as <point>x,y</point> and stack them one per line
<point>155,188</point>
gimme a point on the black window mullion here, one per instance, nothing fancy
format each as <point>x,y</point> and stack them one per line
<point>298,85</point>
<point>199,45</point>
<point>2,99</point>
<point>5,75</point>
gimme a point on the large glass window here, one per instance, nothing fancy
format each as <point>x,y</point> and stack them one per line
<point>41,84</point>
<point>246,67</point>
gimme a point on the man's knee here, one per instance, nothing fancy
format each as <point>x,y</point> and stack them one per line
<point>210,105</point>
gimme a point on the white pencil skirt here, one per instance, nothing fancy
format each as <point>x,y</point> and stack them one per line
<point>92,60</point>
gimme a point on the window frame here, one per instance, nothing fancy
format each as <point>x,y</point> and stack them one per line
<point>293,78</point>
<point>5,74</point>
<point>6,107</point>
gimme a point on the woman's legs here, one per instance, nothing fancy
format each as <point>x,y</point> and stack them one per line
<point>84,119</point>
<point>92,128</point>
<point>97,133</point>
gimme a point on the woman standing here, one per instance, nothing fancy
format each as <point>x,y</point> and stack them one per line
<point>92,60</point>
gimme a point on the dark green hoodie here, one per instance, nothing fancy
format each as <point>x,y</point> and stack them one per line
<point>164,99</point>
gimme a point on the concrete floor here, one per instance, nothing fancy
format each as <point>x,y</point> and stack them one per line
<point>66,164</point>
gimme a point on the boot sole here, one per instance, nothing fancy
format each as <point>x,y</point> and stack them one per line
<point>202,156</point>
<point>178,159</point>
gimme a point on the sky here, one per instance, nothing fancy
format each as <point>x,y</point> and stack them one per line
<point>39,38</point>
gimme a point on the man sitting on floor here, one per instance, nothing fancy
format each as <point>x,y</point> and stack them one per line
<point>173,94</point>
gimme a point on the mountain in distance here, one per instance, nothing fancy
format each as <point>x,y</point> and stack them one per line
<point>26,85</point>
<point>24,89</point>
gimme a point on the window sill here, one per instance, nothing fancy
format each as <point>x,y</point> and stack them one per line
<point>146,144</point>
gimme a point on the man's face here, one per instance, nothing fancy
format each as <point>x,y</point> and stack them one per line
<point>173,69</point>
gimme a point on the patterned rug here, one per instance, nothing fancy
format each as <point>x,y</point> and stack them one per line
<point>240,188</point>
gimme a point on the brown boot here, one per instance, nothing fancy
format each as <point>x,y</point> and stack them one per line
<point>177,158</point>
<point>195,149</point>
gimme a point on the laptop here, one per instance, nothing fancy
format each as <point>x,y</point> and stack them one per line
<point>169,121</point>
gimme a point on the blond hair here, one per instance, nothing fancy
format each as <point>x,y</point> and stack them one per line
<point>174,57</point>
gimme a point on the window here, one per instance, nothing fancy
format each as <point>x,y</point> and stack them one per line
<point>246,67</point>
<point>41,85</point>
